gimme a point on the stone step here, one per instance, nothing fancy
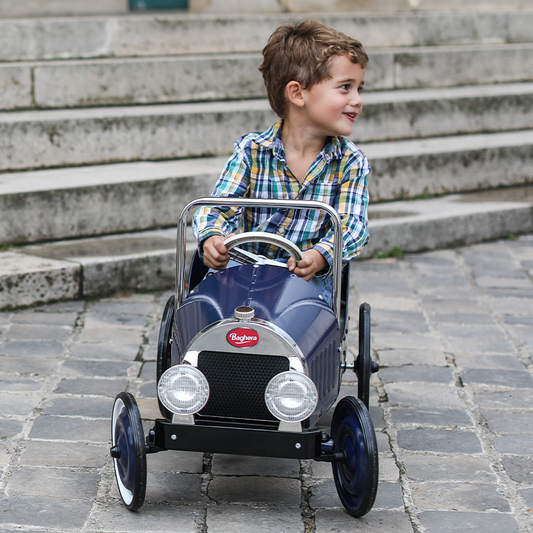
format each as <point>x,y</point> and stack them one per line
<point>407,169</point>
<point>94,136</point>
<point>43,8</point>
<point>353,6</point>
<point>419,113</point>
<point>449,221</point>
<point>146,261</point>
<point>171,79</point>
<point>40,8</point>
<point>103,135</point>
<point>69,203</point>
<point>162,34</point>
<point>74,202</point>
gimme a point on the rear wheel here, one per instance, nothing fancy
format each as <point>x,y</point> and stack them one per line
<point>164,348</point>
<point>128,451</point>
<point>356,477</point>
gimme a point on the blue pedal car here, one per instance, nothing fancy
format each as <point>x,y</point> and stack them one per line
<point>249,359</point>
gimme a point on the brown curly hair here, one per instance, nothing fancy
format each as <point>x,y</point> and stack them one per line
<point>300,51</point>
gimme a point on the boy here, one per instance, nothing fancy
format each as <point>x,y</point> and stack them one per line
<point>314,76</point>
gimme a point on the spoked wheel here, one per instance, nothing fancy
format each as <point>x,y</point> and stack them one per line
<point>363,363</point>
<point>128,451</point>
<point>164,348</point>
<point>356,478</point>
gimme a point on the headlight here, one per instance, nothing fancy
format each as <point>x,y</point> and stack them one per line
<point>183,390</point>
<point>291,396</point>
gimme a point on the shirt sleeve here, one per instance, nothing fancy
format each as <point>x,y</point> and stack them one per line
<point>351,202</point>
<point>233,182</point>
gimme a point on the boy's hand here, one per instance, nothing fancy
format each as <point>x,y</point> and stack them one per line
<point>311,263</point>
<point>216,255</point>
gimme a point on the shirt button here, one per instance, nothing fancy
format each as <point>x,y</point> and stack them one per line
<point>281,231</point>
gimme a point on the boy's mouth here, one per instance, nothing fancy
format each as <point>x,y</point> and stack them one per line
<point>351,116</point>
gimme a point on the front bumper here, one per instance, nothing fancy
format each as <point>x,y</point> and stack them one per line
<point>237,441</point>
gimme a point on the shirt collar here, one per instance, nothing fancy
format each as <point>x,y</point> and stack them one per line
<point>333,149</point>
<point>271,140</point>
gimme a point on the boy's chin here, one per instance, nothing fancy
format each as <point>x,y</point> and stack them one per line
<point>342,132</point>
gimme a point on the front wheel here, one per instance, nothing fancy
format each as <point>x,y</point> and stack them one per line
<point>356,477</point>
<point>128,451</point>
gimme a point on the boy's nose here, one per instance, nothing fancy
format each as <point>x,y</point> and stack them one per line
<point>356,101</point>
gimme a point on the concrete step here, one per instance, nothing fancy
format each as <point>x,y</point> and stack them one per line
<point>302,6</point>
<point>419,113</point>
<point>103,135</point>
<point>68,203</point>
<point>157,80</point>
<point>449,221</point>
<point>146,261</point>
<point>94,136</point>
<point>40,8</point>
<point>162,34</point>
<point>407,169</point>
<point>74,202</point>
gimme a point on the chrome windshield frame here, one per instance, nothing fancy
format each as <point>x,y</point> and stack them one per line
<point>256,202</point>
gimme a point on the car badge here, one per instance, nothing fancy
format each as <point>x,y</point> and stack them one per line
<point>243,337</point>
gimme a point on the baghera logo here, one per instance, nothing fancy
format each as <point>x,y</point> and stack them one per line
<point>243,337</point>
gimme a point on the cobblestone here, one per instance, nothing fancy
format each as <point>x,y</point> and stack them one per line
<point>452,409</point>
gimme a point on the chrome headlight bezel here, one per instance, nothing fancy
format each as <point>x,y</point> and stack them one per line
<point>183,390</point>
<point>291,396</point>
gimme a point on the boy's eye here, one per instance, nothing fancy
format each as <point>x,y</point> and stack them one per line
<point>345,87</point>
<point>361,89</point>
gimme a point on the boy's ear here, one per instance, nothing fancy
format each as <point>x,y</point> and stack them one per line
<point>294,93</point>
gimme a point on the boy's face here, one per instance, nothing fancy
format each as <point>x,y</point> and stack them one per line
<point>333,105</point>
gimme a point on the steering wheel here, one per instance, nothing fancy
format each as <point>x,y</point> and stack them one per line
<point>248,258</point>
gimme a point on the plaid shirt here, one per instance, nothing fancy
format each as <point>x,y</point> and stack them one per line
<point>257,169</point>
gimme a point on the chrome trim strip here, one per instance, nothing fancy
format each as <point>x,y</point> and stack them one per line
<point>274,341</point>
<point>290,427</point>
<point>183,420</point>
<point>191,358</point>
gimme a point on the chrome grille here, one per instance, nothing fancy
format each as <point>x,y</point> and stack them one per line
<point>237,383</point>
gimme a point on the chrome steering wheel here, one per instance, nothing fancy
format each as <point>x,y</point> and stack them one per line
<point>248,258</point>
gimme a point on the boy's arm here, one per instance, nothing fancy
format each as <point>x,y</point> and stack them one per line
<point>351,202</point>
<point>223,221</point>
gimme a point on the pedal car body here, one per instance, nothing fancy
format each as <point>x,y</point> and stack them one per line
<point>249,359</point>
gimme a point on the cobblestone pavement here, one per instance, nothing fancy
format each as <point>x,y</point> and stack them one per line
<point>452,406</point>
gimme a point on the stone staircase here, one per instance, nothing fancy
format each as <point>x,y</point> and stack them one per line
<point>110,125</point>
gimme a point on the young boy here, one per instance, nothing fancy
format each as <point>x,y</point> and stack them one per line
<point>314,76</point>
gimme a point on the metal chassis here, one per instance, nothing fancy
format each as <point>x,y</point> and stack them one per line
<point>313,444</point>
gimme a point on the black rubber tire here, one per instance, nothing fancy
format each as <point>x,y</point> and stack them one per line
<point>164,349</point>
<point>356,478</point>
<point>363,363</point>
<point>128,451</point>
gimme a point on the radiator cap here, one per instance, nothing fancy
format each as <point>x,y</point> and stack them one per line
<point>244,313</point>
